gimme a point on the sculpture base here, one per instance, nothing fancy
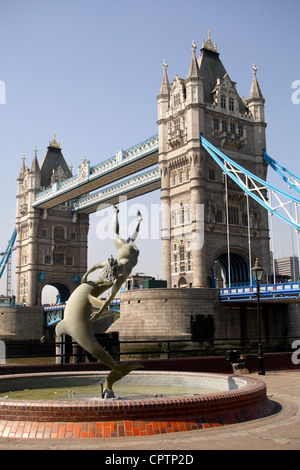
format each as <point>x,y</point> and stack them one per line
<point>108,393</point>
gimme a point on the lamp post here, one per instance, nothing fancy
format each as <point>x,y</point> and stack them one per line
<point>257,272</point>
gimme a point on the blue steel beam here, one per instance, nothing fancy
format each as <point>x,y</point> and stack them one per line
<point>255,187</point>
<point>7,252</point>
<point>292,180</point>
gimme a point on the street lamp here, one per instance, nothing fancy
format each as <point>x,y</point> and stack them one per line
<point>257,272</point>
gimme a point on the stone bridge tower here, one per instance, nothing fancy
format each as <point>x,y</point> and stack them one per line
<point>207,230</point>
<point>51,244</point>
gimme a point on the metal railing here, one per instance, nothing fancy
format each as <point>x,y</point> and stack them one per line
<point>68,351</point>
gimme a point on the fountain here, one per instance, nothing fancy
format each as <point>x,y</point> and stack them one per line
<point>54,405</point>
<point>149,403</point>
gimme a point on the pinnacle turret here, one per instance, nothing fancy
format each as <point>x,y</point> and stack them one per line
<point>193,72</point>
<point>165,85</point>
<point>35,164</point>
<point>23,168</point>
<point>255,92</point>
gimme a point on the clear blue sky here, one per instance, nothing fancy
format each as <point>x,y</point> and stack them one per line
<point>90,71</point>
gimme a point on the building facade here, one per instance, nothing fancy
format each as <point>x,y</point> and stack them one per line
<point>287,268</point>
<point>51,244</point>
<point>211,233</point>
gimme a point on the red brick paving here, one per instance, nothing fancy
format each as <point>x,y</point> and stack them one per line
<point>112,429</point>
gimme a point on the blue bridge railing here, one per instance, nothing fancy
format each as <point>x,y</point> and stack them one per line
<point>288,290</point>
<point>55,313</point>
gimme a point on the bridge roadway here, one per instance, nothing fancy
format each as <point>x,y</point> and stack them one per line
<point>289,291</point>
<point>122,165</point>
<point>132,187</point>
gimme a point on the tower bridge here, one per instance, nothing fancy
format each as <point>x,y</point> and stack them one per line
<point>209,161</point>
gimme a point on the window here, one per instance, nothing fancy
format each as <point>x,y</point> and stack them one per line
<point>219,216</point>
<point>216,124</point>
<point>223,102</point>
<point>245,219</point>
<point>175,247</point>
<point>224,126</point>
<point>189,264</point>
<point>181,177</point>
<point>240,130</point>
<point>176,99</point>
<point>177,125</point>
<point>24,233</point>
<point>211,174</point>
<point>174,179</point>
<point>174,218</point>
<point>232,127</point>
<point>231,104</point>
<point>24,258</point>
<point>24,285</point>
<point>181,216</point>
<point>69,260</point>
<point>188,174</point>
<point>73,236</point>
<point>58,259</point>
<point>233,215</point>
<point>47,259</point>
<point>44,232</point>
<point>187,214</point>
<point>59,232</point>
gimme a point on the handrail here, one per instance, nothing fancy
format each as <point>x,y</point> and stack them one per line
<point>167,347</point>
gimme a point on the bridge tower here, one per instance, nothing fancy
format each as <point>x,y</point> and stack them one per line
<point>51,244</point>
<point>211,232</point>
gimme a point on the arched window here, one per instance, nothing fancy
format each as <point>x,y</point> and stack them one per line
<point>182,282</point>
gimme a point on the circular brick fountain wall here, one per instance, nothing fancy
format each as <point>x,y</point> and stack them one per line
<point>133,417</point>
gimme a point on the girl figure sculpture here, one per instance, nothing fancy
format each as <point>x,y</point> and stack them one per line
<point>119,269</point>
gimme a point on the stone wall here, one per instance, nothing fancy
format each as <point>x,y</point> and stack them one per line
<point>21,323</point>
<point>165,313</point>
<point>293,319</point>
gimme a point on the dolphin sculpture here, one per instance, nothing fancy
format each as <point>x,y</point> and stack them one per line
<point>77,323</point>
<point>79,314</point>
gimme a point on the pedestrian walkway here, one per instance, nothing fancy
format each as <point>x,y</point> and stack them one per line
<point>280,431</point>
